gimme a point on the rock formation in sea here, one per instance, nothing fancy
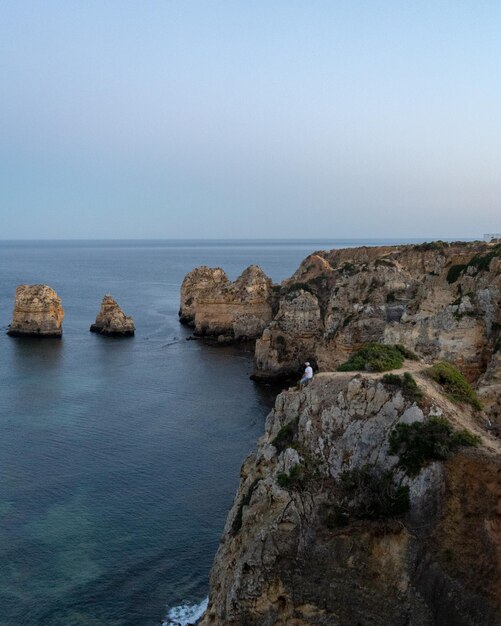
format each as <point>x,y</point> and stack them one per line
<point>216,307</point>
<point>441,300</point>
<point>111,320</point>
<point>37,312</point>
<point>369,501</point>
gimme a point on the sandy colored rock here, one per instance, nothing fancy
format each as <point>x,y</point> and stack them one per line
<point>111,320</point>
<point>37,312</point>
<point>203,278</point>
<point>215,306</point>
<point>280,564</point>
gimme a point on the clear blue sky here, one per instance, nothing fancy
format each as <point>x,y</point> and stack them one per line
<point>263,118</point>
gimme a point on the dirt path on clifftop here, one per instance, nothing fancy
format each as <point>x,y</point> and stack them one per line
<point>461,415</point>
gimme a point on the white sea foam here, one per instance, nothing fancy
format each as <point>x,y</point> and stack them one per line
<point>186,614</point>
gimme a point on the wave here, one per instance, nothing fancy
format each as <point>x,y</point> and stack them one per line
<point>186,614</point>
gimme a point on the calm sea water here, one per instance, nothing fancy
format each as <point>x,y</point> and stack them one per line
<point>119,459</point>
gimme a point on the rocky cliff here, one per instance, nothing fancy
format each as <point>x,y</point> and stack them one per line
<point>37,312</point>
<point>215,306</point>
<point>111,320</point>
<point>367,502</point>
<point>441,300</point>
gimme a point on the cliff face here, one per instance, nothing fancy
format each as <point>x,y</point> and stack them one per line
<point>443,301</point>
<point>111,320</point>
<point>321,533</point>
<point>215,306</point>
<point>37,312</point>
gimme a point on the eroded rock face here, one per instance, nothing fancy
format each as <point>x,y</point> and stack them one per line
<point>440,300</point>
<point>290,339</point>
<point>112,321</point>
<point>195,282</point>
<point>37,312</point>
<point>280,563</point>
<point>215,306</point>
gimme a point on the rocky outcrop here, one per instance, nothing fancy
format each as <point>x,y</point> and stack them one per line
<point>201,279</point>
<point>440,300</point>
<point>216,307</point>
<point>314,539</point>
<point>112,321</point>
<point>37,312</point>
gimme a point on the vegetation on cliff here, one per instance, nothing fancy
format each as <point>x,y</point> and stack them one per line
<point>376,357</point>
<point>406,383</point>
<point>420,443</point>
<point>366,493</point>
<point>454,384</point>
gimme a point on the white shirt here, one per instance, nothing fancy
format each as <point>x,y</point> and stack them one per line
<point>308,372</point>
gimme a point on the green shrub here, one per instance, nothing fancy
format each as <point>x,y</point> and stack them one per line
<point>455,272</point>
<point>406,353</point>
<point>406,383</point>
<point>419,443</point>
<point>294,479</point>
<point>481,262</point>
<point>431,245</point>
<point>454,384</point>
<point>286,435</point>
<point>293,290</point>
<point>366,494</point>
<point>374,357</point>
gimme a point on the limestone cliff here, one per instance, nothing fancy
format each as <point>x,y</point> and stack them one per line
<point>215,306</point>
<point>111,320</point>
<point>332,525</point>
<point>441,300</point>
<point>37,312</point>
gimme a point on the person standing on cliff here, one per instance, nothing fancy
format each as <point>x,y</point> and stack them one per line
<point>307,376</point>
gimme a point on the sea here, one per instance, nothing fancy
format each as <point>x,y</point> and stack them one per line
<point>119,458</point>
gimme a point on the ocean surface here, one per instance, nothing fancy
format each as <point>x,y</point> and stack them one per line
<point>119,458</point>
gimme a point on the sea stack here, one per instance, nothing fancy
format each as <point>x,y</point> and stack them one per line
<point>112,321</point>
<point>228,311</point>
<point>38,312</point>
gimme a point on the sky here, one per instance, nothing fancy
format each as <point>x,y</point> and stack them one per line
<point>250,118</point>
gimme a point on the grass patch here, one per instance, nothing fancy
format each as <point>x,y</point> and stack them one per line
<point>419,443</point>
<point>374,357</point>
<point>454,384</point>
<point>286,436</point>
<point>406,383</point>
<point>366,494</point>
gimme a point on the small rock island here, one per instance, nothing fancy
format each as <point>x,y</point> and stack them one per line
<point>112,321</point>
<point>38,312</point>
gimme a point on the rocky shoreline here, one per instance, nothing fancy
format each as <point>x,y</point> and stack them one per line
<point>332,523</point>
<point>440,300</point>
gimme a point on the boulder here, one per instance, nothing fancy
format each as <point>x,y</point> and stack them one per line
<point>37,312</point>
<point>111,320</point>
